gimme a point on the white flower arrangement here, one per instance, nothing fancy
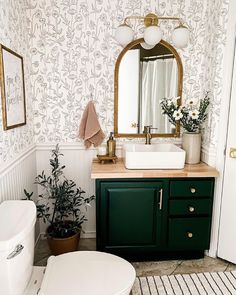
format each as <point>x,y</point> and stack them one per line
<point>177,115</point>
<point>191,115</point>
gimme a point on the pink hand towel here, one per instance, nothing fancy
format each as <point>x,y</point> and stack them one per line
<point>90,130</point>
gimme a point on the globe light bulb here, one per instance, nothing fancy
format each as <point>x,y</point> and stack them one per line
<point>152,35</point>
<point>124,34</point>
<point>147,46</point>
<point>180,36</point>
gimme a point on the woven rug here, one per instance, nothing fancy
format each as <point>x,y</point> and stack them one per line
<point>208,283</point>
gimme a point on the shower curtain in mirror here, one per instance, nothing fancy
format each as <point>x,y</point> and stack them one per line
<point>159,80</point>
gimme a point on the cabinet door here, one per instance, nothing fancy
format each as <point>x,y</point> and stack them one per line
<point>130,214</point>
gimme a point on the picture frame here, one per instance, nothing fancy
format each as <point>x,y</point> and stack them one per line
<point>12,88</point>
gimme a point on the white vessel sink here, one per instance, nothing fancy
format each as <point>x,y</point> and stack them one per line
<point>154,156</point>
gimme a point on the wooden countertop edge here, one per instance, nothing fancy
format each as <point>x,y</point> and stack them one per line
<point>201,170</point>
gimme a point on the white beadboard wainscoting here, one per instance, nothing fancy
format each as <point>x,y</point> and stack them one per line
<point>78,162</point>
<point>208,156</point>
<point>18,175</point>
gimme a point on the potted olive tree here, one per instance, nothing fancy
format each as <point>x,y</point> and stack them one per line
<point>62,205</point>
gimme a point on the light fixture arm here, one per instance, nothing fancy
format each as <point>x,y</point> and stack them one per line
<point>152,19</point>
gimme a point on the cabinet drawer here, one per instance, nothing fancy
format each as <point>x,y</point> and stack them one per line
<point>190,188</point>
<point>189,233</point>
<point>190,207</point>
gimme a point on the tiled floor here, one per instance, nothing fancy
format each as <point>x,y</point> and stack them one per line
<point>149,268</point>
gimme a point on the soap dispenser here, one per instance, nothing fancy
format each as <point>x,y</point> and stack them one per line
<point>111,146</point>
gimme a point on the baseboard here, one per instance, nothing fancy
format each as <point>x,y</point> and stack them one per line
<point>84,235</point>
<point>88,235</point>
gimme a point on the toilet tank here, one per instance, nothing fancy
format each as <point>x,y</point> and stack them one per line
<point>17,220</point>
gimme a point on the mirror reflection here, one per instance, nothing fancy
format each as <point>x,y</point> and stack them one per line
<point>145,77</point>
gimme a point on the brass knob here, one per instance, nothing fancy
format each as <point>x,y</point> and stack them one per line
<point>232,153</point>
<point>192,190</point>
<point>190,235</point>
<point>191,209</point>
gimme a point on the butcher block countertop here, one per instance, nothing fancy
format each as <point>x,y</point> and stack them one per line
<point>118,170</point>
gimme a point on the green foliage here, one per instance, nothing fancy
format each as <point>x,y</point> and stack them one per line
<point>61,201</point>
<point>190,116</point>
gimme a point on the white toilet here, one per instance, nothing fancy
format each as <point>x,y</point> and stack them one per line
<point>79,273</point>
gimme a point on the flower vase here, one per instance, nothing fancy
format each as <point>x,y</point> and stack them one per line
<point>191,143</point>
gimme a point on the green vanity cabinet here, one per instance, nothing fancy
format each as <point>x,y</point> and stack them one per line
<point>154,215</point>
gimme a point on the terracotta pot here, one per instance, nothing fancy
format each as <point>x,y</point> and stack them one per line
<point>59,246</point>
<point>192,145</point>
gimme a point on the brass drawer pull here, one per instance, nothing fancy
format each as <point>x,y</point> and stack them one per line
<point>191,209</point>
<point>161,198</point>
<point>192,190</point>
<point>190,235</point>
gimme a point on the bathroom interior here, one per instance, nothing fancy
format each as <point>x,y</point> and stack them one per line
<point>136,99</point>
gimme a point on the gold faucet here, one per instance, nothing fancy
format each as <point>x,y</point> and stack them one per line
<point>147,132</point>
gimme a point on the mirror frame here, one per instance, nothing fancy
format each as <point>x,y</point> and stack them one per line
<point>116,83</point>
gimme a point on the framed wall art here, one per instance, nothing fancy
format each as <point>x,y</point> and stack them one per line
<point>12,88</point>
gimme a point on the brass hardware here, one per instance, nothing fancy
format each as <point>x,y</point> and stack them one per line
<point>150,19</point>
<point>191,209</point>
<point>106,158</point>
<point>147,132</point>
<point>134,125</point>
<point>192,190</point>
<point>161,198</point>
<point>190,235</point>
<point>148,138</point>
<point>232,153</point>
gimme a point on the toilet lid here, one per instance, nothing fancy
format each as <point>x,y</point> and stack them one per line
<point>87,273</point>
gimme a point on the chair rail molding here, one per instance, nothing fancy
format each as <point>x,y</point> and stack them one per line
<point>5,168</point>
<point>17,175</point>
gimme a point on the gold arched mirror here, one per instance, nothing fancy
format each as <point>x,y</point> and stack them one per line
<point>142,78</point>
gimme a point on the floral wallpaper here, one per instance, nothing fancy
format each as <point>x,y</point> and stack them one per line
<point>212,66</point>
<point>74,52</point>
<point>13,34</point>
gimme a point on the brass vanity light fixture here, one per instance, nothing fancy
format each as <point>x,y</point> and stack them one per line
<point>153,34</point>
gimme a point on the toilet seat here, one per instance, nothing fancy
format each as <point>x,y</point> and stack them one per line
<point>87,273</point>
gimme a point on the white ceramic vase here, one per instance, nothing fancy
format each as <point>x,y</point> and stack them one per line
<point>192,145</point>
